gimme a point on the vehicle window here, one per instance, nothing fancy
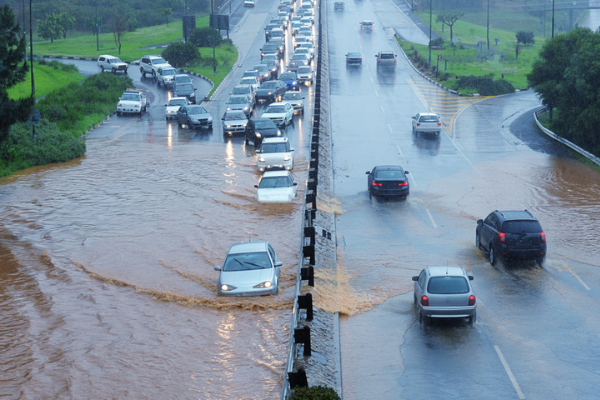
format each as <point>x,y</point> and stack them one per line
<point>273,148</point>
<point>389,174</point>
<point>448,285</point>
<point>387,56</point>
<point>130,97</point>
<point>275,109</point>
<point>247,262</point>
<point>521,227</point>
<point>422,277</point>
<point>169,72</point>
<point>179,79</point>
<point>428,118</point>
<point>237,100</point>
<point>263,124</point>
<point>178,102</point>
<point>184,87</point>
<point>292,96</point>
<point>287,76</point>
<point>230,116</point>
<point>159,60</point>
<point>197,110</point>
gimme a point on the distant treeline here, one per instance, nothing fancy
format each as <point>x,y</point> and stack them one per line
<point>87,13</point>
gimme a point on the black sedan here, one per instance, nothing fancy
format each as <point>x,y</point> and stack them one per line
<point>387,180</point>
<point>259,128</point>
<point>271,91</point>
<point>194,116</point>
<point>353,58</point>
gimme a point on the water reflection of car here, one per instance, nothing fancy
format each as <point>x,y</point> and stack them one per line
<point>173,106</point>
<point>511,235</point>
<point>280,113</point>
<point>444,292</point>
<point>353,58</point>
<point>250,269</point>
<point>260,128</point>
<point>276,187</point>
<point>275,153</point>
<point>234,121</point>
<point>426,123</point>
<point>388,180</point>
<point>194,116</point>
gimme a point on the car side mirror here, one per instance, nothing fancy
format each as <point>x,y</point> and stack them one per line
<point>414,278</point>
<point>166,105</point>
<point>291,149</point>
<point>217,268</point>
<point>195,89</point>
<point>479,221</point>
<point>278,264</point>
<point>406,172</point>
<point>223,119</point>
<point>257,151</point>
<point>256,186</point>
<point>368,172</point>
<point>471,277</point>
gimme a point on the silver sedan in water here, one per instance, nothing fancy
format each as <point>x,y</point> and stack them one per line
<point>250,269</point>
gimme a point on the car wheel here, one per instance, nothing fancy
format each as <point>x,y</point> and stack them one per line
<point>370,194</point>
<point>477,241</point>
<point>114,71</point>
<point>492,255</point>
<point>118,113</point>
<point>143,72</point>
<point>472,319</point>
<point>540,261</point>
<point>101,68</point>
<point>125,72</point>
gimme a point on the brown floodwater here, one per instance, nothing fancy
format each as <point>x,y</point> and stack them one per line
<point>108,281</point>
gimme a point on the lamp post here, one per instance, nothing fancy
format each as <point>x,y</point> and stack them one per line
<point>212,18</point>
<point>488,25</point>
<point>430,23</point>
<point>31,59</point>
<point>97,28</point>
<point>552,18</point>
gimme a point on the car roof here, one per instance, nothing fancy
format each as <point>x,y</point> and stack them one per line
<point>446,271</point>
<point>277,103</point>
<point>269,174</point>
<point>517,214</point>
<point>428,113</point>
<point>389,167</point>
<point>275,140</point>
<point>248,247</point>
<point>178,98</point>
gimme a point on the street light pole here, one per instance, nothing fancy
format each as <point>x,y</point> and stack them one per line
<point>430,23</point>
<point>552,18</point>
<point>31,59</point>
<point>488,25</point>
<point>97,28</point>
<point>212,17</point>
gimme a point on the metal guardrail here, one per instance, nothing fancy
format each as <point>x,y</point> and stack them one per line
<point>564,141</point>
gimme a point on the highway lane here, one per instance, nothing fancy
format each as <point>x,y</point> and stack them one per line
<point>535,336</point>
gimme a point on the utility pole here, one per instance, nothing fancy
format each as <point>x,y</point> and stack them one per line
<point>31,59</point>
<point>430,23</point>
<point>212,18</point>
<point>552,18</point>
<point>488,25</point>
<point>97,28</point>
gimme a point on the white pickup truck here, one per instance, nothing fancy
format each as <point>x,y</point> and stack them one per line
<point>133,101</point>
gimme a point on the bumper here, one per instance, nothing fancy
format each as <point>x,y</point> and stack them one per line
<point>404,191</point>
<point>449,312</point>
<point>204,124</point>
<point>231,130</point>
<point>247,292</point>
<point>286,165</point>
<point>523,254</point>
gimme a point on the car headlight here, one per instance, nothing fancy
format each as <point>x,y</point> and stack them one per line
<point>228,108</point>
<point>209,118</point>
<point>295,83</point>
<point>263,285</point>
<point>193,95</point>
<point>278,133</point>
<point>261,159</point>
<point>227,288</point>
<point>258,134</point>
<point>270,93</point>
<point>287,158</point>
<point>245,108</point>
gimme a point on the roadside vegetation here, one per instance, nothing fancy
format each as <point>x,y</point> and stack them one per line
<point>48,77</point>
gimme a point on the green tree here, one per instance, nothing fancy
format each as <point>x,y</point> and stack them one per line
<point>118,25</point>
<point>66,22</point>
<point>165,13</point>
<point>566,77</point>
<point>525,37</point>
<point>449,19</point>
<point>203,37</point>
<point>12,71</point>
<point>181,54</point>
<point>49,28</point>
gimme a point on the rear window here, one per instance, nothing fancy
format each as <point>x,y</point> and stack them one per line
<point>428,118</point>
<point>389,174</point>
<point>448,285</point>
<point>387,56</point>
<point>524,226</point>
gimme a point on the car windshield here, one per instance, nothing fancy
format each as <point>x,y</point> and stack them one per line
<point>237,100</point>
<point>275,110</point>
<point>269,48</point>
<point>159,60</point>
<point>292,96</point>
<point>389,174</point>
<point>247,261</point>
<point>270,57</point>
<point>287,76</point>
<point>196,110</point>
<point>262,68</point>
<point>274,182</point>
<point>115,61</point>
<point>428,118</point>
<point>177,102</point>
<point>130,97</point>
<point>448,285</point>
<point>234,115</point>
<point>250,73</point>
<point>268,124</point>
<point>523,226</point>
<point>184,87</point>
<point>268,85</point>
<point>273,148</point>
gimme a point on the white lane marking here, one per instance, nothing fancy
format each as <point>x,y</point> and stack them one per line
<point>399,151</point>
<point>391,130</point>
<point>431,218</point>
<point>579,279</point>
<point>509,372</point>
<point>382,110</point>
<point>410,176</point>
<point>376,93</point>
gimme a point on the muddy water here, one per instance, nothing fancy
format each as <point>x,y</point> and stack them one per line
<point>108,281</point>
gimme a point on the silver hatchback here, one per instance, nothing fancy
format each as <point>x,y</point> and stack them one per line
<point>444,292</point>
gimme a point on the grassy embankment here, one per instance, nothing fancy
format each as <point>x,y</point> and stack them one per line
<point>141,42</point>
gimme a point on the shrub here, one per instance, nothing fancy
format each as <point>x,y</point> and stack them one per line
<point>203,37</point>
<point>314,393</point>
<point>439,42</point>
<point>485,85</point>
<point>181,54</point>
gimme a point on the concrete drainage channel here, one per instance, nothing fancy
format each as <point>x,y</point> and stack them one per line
<point>314,352</point>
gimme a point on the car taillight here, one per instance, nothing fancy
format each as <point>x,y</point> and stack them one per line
<point>438,124</point>
<point>471,300</point>
<point>377,183</point>
<point>404,183</point>
<point>502,237</point>
<point>543,237</point>
<point>424,300</point>
<point>360,59</point>
<point>418,124</point>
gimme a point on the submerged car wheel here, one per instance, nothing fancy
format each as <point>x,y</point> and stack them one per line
<point>540,261</point>
<point>477,241</point>
<point>472,319</point>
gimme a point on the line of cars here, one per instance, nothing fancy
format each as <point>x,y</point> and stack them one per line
<point>252,268</point>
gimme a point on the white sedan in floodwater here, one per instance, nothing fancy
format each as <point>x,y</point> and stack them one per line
<point>276,187</point>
